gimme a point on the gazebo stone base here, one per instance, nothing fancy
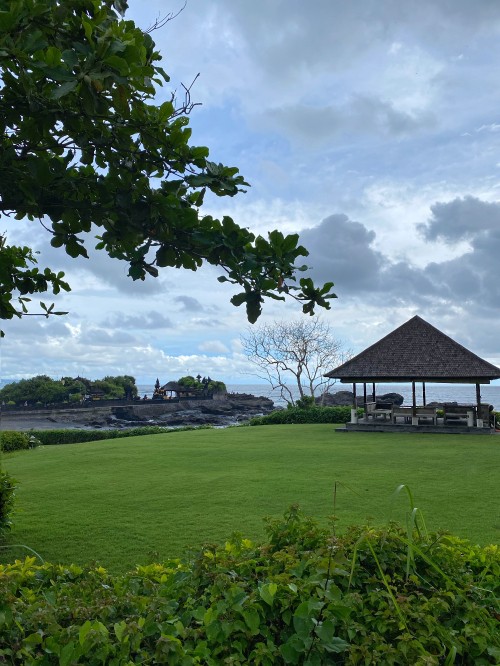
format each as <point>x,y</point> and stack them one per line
<point>400,427</point>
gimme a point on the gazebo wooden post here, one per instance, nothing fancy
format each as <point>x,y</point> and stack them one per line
<point>414,417</point>
<point>373,392</point>
<point>479,420</point>
<point>354,410</point>
<point>365,417</point>
<point>423,393</point>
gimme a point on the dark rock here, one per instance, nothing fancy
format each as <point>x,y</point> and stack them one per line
<point>223,411</point>
<point>338,399</point>
<point>346,398</point>
<point>394,398</point>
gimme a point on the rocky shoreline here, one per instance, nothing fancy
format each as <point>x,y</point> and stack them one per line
<point>223,410</point>
<point>229,409</point>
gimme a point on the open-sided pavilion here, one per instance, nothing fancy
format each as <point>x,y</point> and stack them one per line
<point>416,352</point>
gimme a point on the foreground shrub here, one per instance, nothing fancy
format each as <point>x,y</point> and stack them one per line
<point>14,441</point>
<point>303,597</point>
<point>7,490</point>
<point>308,415</point>
<point>76,436</point>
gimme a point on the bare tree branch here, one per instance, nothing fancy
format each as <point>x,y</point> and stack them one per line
<point>161,22</point>
<point>295,353</point>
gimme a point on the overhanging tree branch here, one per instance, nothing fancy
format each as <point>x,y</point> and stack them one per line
<point>84,145</point>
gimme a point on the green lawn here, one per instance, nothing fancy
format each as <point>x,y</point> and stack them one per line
<point>123,502</point>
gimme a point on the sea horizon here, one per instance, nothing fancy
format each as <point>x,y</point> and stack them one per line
<point>460,393</point>
<point>434,392</point>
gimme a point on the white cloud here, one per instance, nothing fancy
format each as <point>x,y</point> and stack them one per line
<point>213,347</point>
<point>492,127</point>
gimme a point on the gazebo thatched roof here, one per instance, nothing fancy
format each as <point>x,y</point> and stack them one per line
<point>416,351</point>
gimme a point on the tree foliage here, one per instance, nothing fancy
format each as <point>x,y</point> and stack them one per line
<point>7,496</point>
<point>86,150</point>
<point>292,355</point>
<point>206,384</point>
<point>122,386</point>
<point>43,389</point>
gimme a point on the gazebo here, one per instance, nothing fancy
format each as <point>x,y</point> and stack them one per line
<point>416,352</point>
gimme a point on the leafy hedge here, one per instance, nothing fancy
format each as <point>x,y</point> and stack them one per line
<point>7,492</point>
<point>76,436</point>
<point>314,415</point>
<point>309,415</point>
<point>303,597</point>
<point>11,440</point>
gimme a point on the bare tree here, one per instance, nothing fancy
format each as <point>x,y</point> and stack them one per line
<point>293,355</point>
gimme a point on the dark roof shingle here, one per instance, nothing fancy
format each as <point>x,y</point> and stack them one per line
<point>416,351</point>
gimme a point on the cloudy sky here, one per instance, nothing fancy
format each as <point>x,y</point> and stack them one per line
<point>372,128</point>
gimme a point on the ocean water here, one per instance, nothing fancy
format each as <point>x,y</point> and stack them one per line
<point>460,393</point>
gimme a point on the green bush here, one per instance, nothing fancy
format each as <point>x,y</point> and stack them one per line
<point>207,384</point>
<point>7,489</point>
<point>76,436</point>
<point>306,402</point>
<point>14,441</point>
<point>308,415</point>
<point>304,597</point>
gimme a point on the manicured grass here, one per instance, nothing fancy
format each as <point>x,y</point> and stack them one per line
<point>124,502</point>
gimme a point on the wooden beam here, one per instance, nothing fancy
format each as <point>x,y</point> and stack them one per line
<point>423,393</point>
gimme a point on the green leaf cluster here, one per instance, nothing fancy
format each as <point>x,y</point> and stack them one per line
<point>20,278</point>
<point>76,436</point>
<point>114,388</point>
<point>309,414</point>
<point>304,596</point>
<point>7,495</point>
<point>86,149</point>
<point>207,385</point>
<point>44,390</point>
<point>10,440</point>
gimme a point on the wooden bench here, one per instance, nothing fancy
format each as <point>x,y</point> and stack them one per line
<point>427,414</point>
<point>405,413</point>
<point>455,414</point>
<point>424,414</point>
<point>376,409</point>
